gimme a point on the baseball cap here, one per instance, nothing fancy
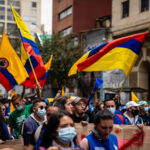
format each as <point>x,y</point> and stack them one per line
<point>142,102</point>
<point>131,104</point>
<point>77,99</point>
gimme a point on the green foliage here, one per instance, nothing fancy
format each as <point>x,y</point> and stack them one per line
<point>64,56</point>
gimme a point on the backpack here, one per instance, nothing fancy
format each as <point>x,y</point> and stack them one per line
<point>121,117</point>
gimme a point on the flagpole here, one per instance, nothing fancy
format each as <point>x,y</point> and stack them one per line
<point>39,91</point>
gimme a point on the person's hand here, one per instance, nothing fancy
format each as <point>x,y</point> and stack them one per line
<point>54,148</point>
<point>140,126</point>
<point>6,118</point>
<point>84,123</point>
<point>1,141</point>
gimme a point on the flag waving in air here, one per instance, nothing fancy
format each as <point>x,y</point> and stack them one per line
<point>90,53</point>
<point>134,98</point>
<point>12,72</point>
<point>118,54</point>
<point>31,50</point>
<point>28,83</point>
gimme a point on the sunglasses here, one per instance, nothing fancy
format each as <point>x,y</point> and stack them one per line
<point>42,107</point>
<point>104,128</point>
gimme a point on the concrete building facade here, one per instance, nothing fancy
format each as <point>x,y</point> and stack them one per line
<point>130,17</point>
<point>29,10</point>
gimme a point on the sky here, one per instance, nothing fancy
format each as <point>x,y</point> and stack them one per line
<point>46,17</point>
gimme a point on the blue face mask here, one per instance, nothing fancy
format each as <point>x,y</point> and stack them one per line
<point>146,109</point>
<point>66,135</point>
<point>112,110</point>
<point>41,112</point>
<point>19,108</point>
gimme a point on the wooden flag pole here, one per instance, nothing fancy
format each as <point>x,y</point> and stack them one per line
<point>39,91</point>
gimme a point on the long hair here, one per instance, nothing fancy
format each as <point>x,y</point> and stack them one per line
<point>50,130</point>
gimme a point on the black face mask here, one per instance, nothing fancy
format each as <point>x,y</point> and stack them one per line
<point>135,112</point>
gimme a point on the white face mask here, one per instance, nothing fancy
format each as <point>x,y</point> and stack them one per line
<point>112,110</point>
<point>41,112</point>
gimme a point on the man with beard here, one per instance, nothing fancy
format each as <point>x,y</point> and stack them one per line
<point>132,113</point>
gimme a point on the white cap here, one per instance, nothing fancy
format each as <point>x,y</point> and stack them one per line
<point>131,103</point>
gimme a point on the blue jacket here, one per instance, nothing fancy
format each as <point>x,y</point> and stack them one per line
<point>95,144</point>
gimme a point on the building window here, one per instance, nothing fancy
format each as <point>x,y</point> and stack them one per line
<point>30,19</point>
<point>144,5</point>
<point>2,2</point>
<point>2,13</point>
<point>1,28</point>
<point>72,43</point>
<point>125,9</point>
<point>11,29</point>
<point>59,1</point>
<point>65,13</point>
<point>33,25</point>
<point>14,3</point>
<point>33,4</point>
<point>66,31</point>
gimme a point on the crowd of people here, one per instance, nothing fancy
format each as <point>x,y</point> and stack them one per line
<point>44,125</point>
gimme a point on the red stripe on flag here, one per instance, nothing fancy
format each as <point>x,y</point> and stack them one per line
<point>5,82</point>
<point>89,61</point>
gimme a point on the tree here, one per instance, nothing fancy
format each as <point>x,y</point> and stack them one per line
<point>64,55</point>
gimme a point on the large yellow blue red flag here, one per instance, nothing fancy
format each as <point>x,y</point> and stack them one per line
<point>118,54</point>
<point>31,49</point>
<point>12,71</point>
<point>28,83</point>
<point>90,53</point>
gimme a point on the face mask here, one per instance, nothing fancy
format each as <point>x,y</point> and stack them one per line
<point>19,108</point>
<point>66,135</point>
<point>135,112</point>
<point>146,109</point>
<point>112,110</point>
<point>41,113</point>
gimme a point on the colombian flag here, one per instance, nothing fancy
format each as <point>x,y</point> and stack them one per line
<point>12,72</point>
<point>28,83</point>
<point>30,49</point>
<point>74,68</point>
<point>118,54</point>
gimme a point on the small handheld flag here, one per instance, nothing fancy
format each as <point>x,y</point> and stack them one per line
<point>99,82</point>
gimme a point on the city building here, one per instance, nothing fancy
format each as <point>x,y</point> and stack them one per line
<point>130,17</point>
<point>74,16</point>
<point>29,10</point>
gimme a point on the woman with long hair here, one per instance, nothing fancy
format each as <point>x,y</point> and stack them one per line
<point>59,131</point>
